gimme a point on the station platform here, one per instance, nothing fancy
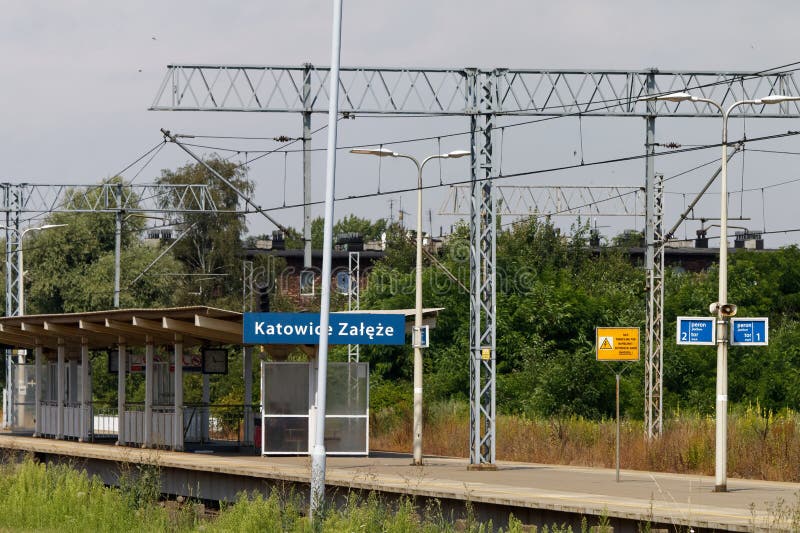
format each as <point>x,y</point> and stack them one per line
<point>535,493</point>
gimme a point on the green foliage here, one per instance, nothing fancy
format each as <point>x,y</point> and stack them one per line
<point>553,291</point>
<point>140,484</point>
<point>71,269</point>
<point>212,243</point>
<point>350,224</point>
<point>255,514</point>
<point>548,305</point>
<point>38,497</point>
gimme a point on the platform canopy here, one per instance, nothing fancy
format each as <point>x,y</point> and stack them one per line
<point>194,325</point>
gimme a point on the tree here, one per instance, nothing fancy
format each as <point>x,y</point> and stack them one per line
<point>71,269</point>
<point>350,224</point>
<point>210,249</point>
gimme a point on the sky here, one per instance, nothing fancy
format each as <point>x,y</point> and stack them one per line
<point>79,76</point>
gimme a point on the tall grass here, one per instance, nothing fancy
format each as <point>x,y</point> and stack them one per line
<point>762,444</point>
<point>35,497</point>
<point>59,498</point>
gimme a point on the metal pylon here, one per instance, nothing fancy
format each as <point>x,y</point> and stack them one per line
<point>353,297</point>
<point>654,363</point>
<point>247,286</point>
<point>483,244</point>
<point>12,204</point>
<point>12,201</point>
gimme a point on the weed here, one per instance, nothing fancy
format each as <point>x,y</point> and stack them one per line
<point>764,444</point>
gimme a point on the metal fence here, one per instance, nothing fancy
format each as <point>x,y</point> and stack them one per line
<point>215,422</point>
<point>202,423</point>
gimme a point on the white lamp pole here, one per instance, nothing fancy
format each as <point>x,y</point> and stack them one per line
<point>21,288</point>
<point>20,262</point>
<point>21,306</point>
<point>721,459</point>
<point>384,152</point>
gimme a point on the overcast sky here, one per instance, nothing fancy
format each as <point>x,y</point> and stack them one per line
<point>78,77</point>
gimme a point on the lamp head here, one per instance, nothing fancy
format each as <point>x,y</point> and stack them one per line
<point>677,97</point>
<point>380,152</point>
<point>457,153</point>
<point>778,98</point>
<point>672,97</point>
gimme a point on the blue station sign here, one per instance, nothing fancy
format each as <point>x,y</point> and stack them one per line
<point>749,331</point>
<point>697,330</point>
<point>343,328</point>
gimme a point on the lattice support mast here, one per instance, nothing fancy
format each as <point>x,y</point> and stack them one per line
<point>353,296</point>
<point>654,339</point>
<point>248,292</point>
<point>483,281</point>
<point>12,199</point>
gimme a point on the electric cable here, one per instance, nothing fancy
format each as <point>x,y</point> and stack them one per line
<point>532,172</point>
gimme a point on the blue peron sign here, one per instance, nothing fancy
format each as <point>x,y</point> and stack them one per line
<point>343,328</point>
<point>750,331</point>
<point>697,330</point>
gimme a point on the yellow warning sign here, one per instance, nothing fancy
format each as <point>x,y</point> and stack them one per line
<point>617,344</point>
<point>486,354</point>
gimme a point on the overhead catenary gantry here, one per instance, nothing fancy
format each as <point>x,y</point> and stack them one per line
<point>556,200</point>
<point>37,199</point>
<point>482,95</point>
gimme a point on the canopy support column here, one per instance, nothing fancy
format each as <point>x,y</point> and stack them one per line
<point>247,363</point>
<point>60,381</point>
<point>205,399</point>
<point>149,351</point>
<point>177,430</point>
<point>86,395</point>
<point>121,392</point>
<point>37,374</point>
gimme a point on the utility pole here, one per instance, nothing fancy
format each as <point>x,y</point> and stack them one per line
<point>118,245</point>
<point>307,166</point>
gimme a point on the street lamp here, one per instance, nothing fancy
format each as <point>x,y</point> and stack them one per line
<point>723,310</point>
<point>21,305</point>
<point>21,235</point>
<point>385,152</point>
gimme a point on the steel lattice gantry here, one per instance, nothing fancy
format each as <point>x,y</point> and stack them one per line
<point>106,197</point>
<point>39,199</point>
<point>552,201</point>
<point>483,95</point>
<point>441,91</point>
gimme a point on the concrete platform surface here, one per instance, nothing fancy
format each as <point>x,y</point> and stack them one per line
<point>680,500</point>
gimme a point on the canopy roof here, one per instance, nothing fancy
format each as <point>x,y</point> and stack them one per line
<point>134,327</point>
<point>193,326</point>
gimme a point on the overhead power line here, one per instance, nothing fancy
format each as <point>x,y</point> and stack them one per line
<point>533,172</point>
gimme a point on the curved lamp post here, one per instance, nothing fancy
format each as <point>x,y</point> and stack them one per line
<point>721,307</point>
<point>385,152</point>
<point>21,234</point>
<point>20,304</point>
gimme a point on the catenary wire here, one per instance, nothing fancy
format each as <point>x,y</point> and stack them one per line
<point>533,172</point>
